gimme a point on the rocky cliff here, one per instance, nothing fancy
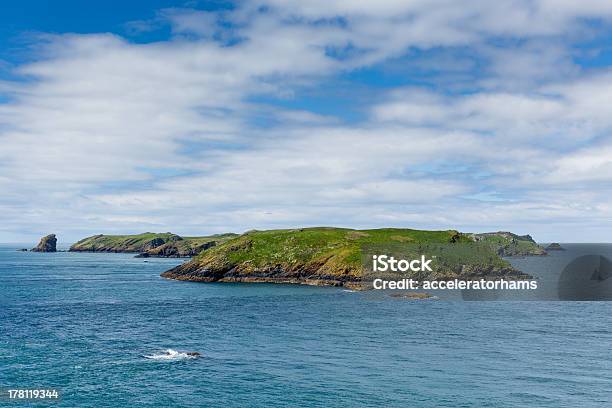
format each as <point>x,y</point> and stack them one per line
<point>46,244</point>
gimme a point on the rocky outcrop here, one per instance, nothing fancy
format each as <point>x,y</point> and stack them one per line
<point>506,243</point>
<point>46,244</point>
<point>555,246</point>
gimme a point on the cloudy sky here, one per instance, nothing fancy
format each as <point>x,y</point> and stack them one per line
<point>206,117</point>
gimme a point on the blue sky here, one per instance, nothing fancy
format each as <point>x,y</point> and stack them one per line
<point>203,117</point>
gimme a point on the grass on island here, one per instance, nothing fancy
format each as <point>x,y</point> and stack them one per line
<point>326,251</point>
<point>143,242</point>
<point>307,244</point>
<point>508,244</point>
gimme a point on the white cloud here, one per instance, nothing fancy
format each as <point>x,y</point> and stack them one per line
<point>560,116</point>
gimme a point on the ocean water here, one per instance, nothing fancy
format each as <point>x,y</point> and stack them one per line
<point>107,331</point>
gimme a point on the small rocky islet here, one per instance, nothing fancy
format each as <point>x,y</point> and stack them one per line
<point>47,244</point>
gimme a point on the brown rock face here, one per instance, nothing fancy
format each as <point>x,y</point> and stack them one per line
<point>46,244</point>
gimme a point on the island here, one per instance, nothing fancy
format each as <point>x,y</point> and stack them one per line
<point>46,244</point>
<point>555,246</point>
<point>333,256</point>
<point>150,244</point>
<point>508,244</point>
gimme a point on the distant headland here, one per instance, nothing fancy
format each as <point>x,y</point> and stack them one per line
<point>167,245</point>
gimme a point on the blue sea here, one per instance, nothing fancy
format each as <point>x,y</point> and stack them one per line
<point>107,331</point>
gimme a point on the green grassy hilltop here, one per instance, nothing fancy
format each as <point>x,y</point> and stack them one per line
<point>509,244</point>
<point>325,256</point>
<point>150,244</point>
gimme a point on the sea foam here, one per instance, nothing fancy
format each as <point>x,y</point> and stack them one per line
<point>170,355</point>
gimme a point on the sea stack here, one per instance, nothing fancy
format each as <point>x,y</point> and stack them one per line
<point>46,244</point>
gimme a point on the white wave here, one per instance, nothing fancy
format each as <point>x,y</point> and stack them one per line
<point>172,355</point>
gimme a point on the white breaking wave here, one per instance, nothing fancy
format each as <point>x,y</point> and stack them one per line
<point>171,355</point>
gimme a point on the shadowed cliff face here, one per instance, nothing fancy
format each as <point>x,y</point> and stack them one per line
<point>322,256</point>
<point>46,244</point>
